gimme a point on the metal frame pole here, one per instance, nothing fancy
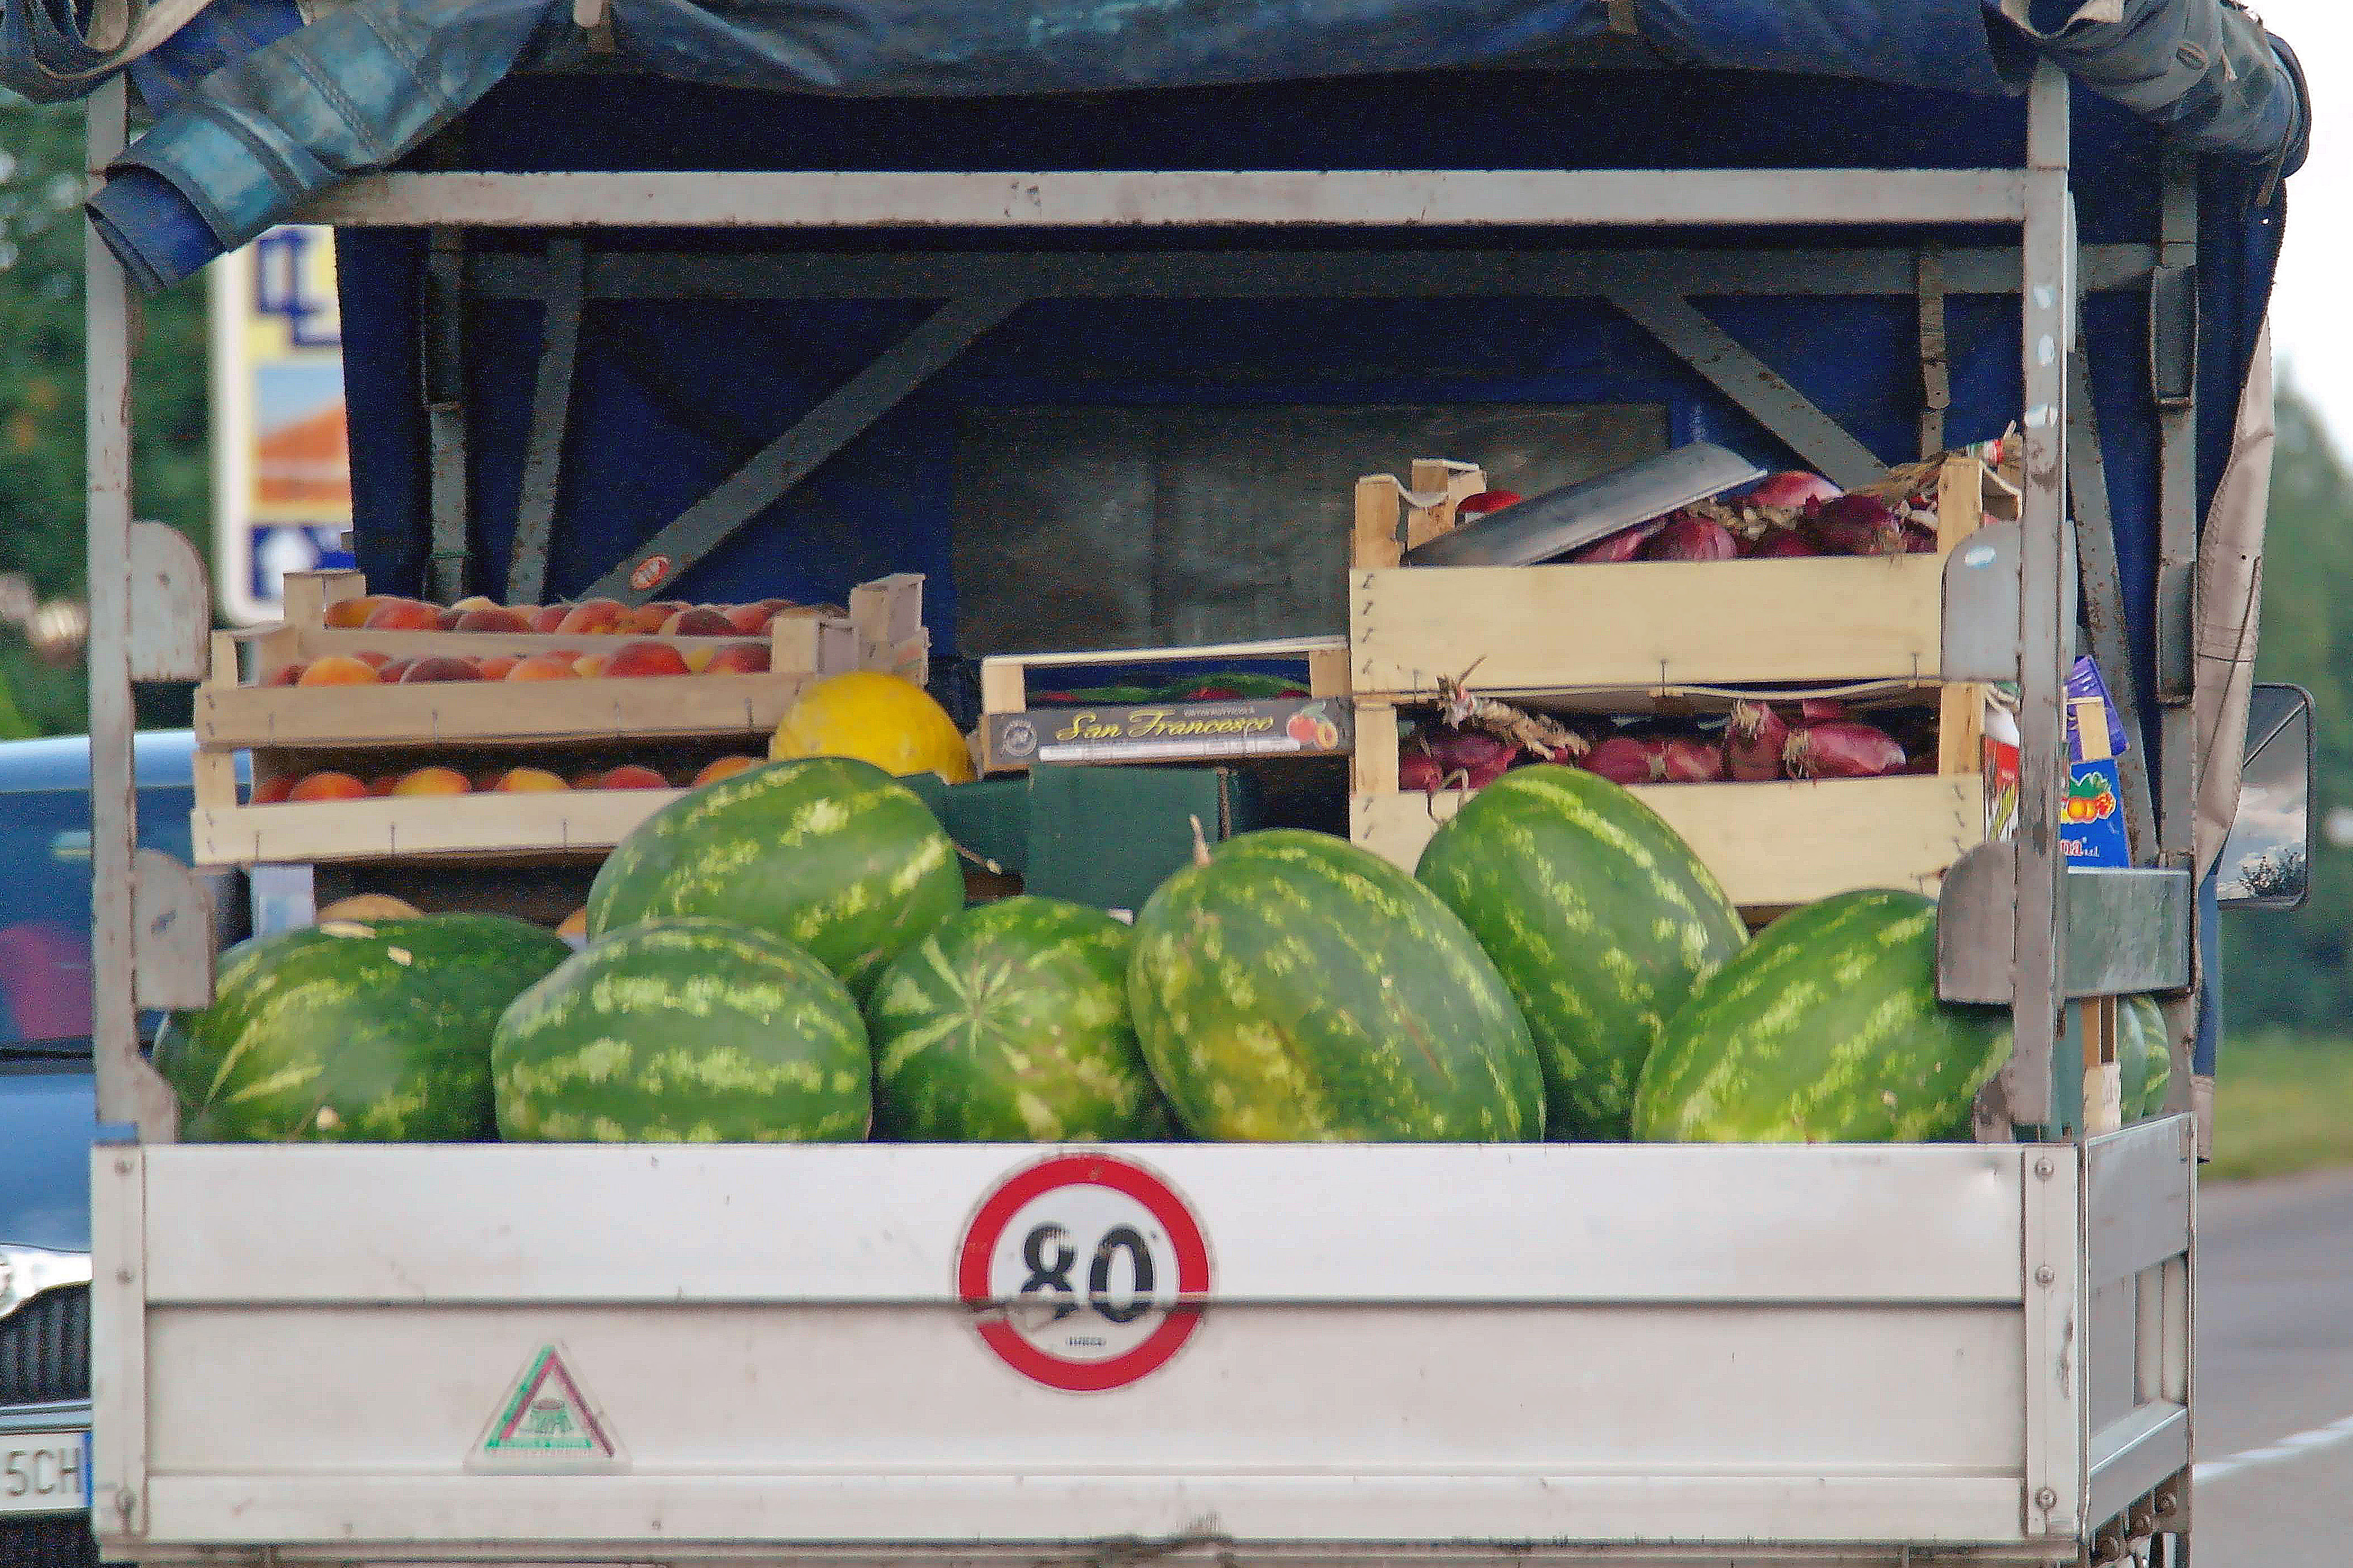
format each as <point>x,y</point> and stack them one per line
<point>113,800</point>
<point>2048,310</point>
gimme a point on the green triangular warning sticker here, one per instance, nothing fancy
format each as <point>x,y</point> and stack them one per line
<point>547,1423</point>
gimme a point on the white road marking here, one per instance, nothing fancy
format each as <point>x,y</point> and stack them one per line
<point>2302,1443</point>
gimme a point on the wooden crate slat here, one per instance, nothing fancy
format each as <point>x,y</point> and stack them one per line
<point>485,824</point>
<point>1532,628</point>
<point>1771,845</point>
<point>493,711</point>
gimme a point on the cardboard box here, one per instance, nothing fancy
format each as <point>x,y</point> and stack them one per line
<point>1108,836</point>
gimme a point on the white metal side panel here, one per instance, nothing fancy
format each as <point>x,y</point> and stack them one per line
<point>1533,1344</point>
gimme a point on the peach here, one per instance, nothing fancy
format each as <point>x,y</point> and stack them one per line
<point>403,615</point>
<point>632,775</point>
<point>528,781</point>
<point>591,778</point>
<point>439,668</point>
<point>328,785</point>
<point>375,661</point>
<point>740,658</point>
<point>701,621</point>
<point>289,674</point>
<point>474,602</point>
<point>432,780</point>
<point>591,617</point>
<point>723,768</point>
<point>447,620</point>
<point>698,657</point>
<point>335,669</point>
<point>644,658</point>
<point>346,613</point>
<point>391,673</point>
<point>539,667</point>
<point>643,621</point>
<point>549,617</point>
<point>491,619</point>
<point>588,667</point>
<point>269,792</point>
<point>495,666</point>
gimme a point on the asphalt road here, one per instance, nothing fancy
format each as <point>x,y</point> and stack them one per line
<point>2274,1481</point>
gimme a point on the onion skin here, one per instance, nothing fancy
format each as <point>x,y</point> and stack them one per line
<point>1621,759</point>
<point>1842,749</point>
<point>1658,759</point>
<point>1470,759</point>
<point>1753,740</point>
<point>1417,772</point>
<point>1687,537</point>
<point>1622,546</point>
<point>1856,525</point>
<point>1486,501</point>
<point>1780,544</point>
<point>1821,711</point>
<point>1790,488</point>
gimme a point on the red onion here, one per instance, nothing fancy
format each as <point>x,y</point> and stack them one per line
<point>1919,538</point>
<point>1417,772</point>
<point>1470,759</point>
<point>1821,711</point>
<point>1856,525</point>
<point>1842,749</point>
<point>1485,501</point>
<point>1789,489</point>
<point>1665,759</point>
<point>1779,544</point>
<point>1687,537</point>
<point>1622,546</point>
<point>1753,738</point>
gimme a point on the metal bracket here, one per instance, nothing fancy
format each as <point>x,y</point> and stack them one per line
<point>171,606</point>
<point>1981,620</point>
<point>2128,929</point>
<point>172,925</point>
<point>443,367</point>
<point>1935,356</point>
<point>2173,334</point>
<point>784,462</point>
<point>2102,585</point>
<point>1749,382</point>
<point>551,408</point>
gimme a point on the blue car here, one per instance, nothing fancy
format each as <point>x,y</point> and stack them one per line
<point>46,1118</point>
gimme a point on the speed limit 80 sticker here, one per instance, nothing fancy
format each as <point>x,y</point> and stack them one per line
<point>1076,1267</point>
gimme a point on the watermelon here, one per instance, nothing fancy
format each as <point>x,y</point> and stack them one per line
<point>2144,1052</point>
<point>1008,1024</point>
<point>1825,1029</point>
<point>686,1031</point>
<point>353,1031</point>
<point>1599,916</point>
<point>1294,988</point>
<point>830,854</point>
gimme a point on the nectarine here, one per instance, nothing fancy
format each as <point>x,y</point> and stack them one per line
<point>289,674</point>
<point>588,667</point>
<point>439,668</point>
<point>723,768</point>
<point>591,617</point>
<point>495,666</point>
<point>632,775</point>
<point>739,658</point>
<point>698,621</point>
<point>403,615</point>
<point>434,780</point>
<point>346,613</point>
<point>336,669</point>
<point>548,617</point>
<point>490,618</point>
<point>540,666</point>
<point>329,786</point>
<point>269,792</point>
<point>529,780</point>
<point>644,658</point>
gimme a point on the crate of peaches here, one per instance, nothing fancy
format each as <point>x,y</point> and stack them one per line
<point>382,727</point>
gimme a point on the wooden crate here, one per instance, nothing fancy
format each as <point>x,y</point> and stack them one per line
<point>1632,638</point>
<point>381,729</point>
<point>1012,733</point>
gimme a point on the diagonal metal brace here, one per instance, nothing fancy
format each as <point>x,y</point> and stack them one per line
<point>2104,600</point>
<point>551,406</point>
<point>1749,382</point>
<point>784,462</point>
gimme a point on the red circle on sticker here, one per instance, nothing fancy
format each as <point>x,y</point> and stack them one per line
<point>649,571</point>
<point>1078,1267</point>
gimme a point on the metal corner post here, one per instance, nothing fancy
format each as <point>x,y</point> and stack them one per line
<point>113,720</point>
<point>2047,335</point>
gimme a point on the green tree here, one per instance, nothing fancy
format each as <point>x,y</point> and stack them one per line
<point>41,467</point>
<point>2290,971</point>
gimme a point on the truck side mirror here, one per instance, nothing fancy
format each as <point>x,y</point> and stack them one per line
<point>2267,860</point>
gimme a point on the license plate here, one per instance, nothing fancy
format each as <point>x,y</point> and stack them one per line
<point>44,1472</point>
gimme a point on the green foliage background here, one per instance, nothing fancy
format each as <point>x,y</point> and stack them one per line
<point>41,464</point>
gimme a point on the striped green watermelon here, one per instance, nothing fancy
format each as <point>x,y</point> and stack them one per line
<point>1008,1023</point>
<point>685,1031</point>
<point>1600,919</point>
<point>1294,988</point>
<point>1825,1029</point>
<point>353,1031</point>
<point>831,854</point>
<point>2145,1053</point>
